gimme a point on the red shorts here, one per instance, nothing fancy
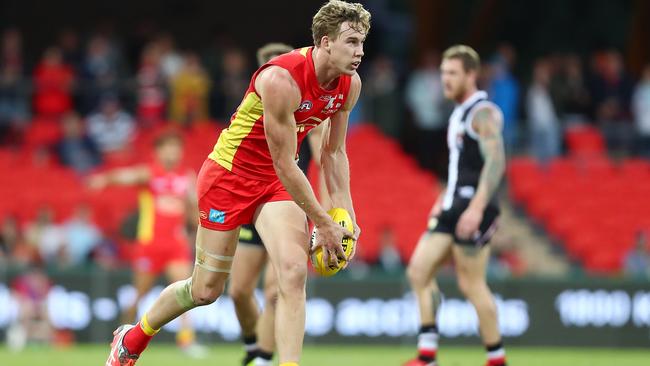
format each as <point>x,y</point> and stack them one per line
<point>168,245</point>
<point>155,256</point>
<point>227,200</point>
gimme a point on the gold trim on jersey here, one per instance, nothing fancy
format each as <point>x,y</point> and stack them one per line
<point>304,50</point>
<point>146,216</point>
<point>249,111</point>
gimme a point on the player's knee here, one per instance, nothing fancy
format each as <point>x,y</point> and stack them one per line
<point>238,294</point>
<point>292,276</point>
<point>207,294</point>
<point>271,295</point>
<point>416,276</point>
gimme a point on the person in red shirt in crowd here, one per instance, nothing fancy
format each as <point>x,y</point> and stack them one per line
<point>52,85</point>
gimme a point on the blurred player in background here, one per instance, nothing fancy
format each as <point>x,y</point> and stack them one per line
<point>166,203</point>
<point>251,256</point>
<point>252,176</point>
<point>464,217</point>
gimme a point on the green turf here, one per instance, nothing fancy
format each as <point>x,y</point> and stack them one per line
<point>334,355</point>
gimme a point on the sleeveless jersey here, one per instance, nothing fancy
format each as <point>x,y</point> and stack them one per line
<point>162,204</point>
<point>465,158</point>
<point>242,148</point>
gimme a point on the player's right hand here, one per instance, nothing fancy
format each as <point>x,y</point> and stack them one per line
<point>329,236</point>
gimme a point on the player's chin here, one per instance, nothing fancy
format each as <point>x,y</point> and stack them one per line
<point>350,71</point>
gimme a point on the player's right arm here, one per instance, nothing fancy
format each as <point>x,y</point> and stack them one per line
<point>121,176</point>
<point>281,97</point>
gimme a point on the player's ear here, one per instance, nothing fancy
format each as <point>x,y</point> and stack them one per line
<point>325,43</point>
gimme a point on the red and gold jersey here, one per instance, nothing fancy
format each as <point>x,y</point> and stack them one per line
<point>163,203</point>
<point>242,147</point>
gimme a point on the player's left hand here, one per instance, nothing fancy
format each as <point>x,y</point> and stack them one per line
<point>469,223</point>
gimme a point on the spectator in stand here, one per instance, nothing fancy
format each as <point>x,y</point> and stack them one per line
<point>76,150</point>
<point>68,42</point>
<point>544,125</point>
<point>100,72</point>
<point>389,257</point>
<point>53,81</point>
<point>14,109</point>
<point>151,87</point>
<point>31,290</point>
<point>190,90</point>
<point>382,96</point>
<point>82,236</point>
<point>641,112</point>
<point>503,89</point>
<point>234,81</point>
<point>569,91</point>
<point>171,60</point>
<point>637,261</point>
<point>14,105</point>
<point>611,89</point>
<point>14,250</point>
<point>426,103</point>
<point>111,127</point>
<point>12,49</point>
<point>45,235</point>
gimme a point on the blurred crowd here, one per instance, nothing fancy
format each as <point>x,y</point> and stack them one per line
<point>101,95</point>
<point>551,95</point>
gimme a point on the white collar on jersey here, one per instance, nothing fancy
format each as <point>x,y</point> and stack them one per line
<point>479,94</point>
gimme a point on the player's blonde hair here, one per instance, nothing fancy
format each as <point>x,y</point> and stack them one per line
<point>328,19</point>
<point>466,54</point>
<point>270,50</point>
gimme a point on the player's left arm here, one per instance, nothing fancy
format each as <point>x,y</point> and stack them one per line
<point>334,159</point>
<point>488,124</point>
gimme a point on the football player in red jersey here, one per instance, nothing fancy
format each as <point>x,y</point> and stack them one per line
<point>252,176</point>
<point>166,203</point>
<point>250,257</point>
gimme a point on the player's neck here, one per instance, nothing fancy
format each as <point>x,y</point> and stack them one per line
<point>468,94</point>
<point>324,74</point>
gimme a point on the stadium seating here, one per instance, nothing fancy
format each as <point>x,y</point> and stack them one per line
<point>591,205</point>
<point>390,191</point>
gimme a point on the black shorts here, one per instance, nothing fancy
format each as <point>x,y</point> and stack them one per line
<point>448,219</point>
<point>248,235</point>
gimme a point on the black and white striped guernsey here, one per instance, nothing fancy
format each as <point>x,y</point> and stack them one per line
<point>465,158</point>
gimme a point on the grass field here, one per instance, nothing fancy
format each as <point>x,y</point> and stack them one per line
<point>334,355</point>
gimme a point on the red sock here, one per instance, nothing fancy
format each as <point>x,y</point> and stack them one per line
<point>136,340</point>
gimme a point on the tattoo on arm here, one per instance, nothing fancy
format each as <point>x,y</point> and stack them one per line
<point>491,144</point>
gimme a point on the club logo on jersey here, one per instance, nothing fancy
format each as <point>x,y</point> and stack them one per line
<point>203,215</point>
<point>217,216</point>
<point>305,106</point>
<point>332,106</point>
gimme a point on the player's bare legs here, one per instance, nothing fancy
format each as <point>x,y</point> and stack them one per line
<point>246,269</point>
<point>185,338</point>
<point>471,264</point>
<point>283,228</point>
<point>215,251</point>
<point>266,321</point>
<point>430,253</point>
<point>143,282</point>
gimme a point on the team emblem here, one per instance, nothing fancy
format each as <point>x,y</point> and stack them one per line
<point>305,106</point>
